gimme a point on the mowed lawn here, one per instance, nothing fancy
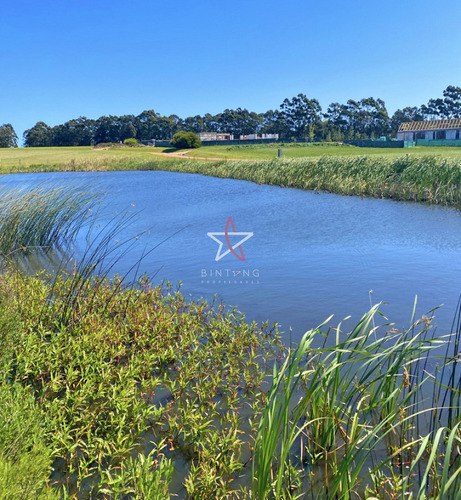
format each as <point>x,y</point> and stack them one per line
<point>267,152</point>
<point>89,158</point>
<point>48,158</point>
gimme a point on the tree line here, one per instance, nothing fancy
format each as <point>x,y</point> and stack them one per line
<point>298,118</point>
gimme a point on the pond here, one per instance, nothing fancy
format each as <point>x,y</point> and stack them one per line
<point>288,256</point>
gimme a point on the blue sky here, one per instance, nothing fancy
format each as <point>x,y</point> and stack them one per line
<point>62,60</point>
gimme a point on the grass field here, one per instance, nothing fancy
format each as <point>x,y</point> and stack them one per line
<point>66,158</point>
<point>296,150</point>
<point>88,158</point>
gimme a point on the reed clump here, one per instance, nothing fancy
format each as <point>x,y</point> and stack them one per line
<point>364,415</point>
<point>426,179</point>
<point>44,217</point>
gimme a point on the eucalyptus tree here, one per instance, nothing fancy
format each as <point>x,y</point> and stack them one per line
<point>146,124</point>
<point>376,117</point>
<point>40,135</point>
<point>446,107</point>
<point>336,121</point>
<point>408,114</point>
<point>176,122</point>
<point>193,124</point>
<point>211,122</point>
<point>106,129</point>
<point>301,114</point>
<point>363,119</point>
<point>127,127</point>
<point>8,137</point>
<point>239,122</point>
<point>77,132</point>
<point>273,122</point>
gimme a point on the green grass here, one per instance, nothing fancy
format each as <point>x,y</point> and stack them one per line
<point>268,152</point>
<point>428,179</point>
<point>42,218</point>
<point>74,158</point>
<point>412,176</point>
<point>363,416</point>
<point>88,158</point>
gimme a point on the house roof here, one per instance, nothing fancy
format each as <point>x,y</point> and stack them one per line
<point>430,125</point>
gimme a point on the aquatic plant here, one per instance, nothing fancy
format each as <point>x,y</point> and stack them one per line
<point>362,415</point>
<point>132,391</point>
<point>426,179</point>
<point>133,367</point>
<point>41,218</point>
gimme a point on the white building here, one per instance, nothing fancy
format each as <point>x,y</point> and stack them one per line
<point>215,136</point>
<point>255,137</point>
<point>430,130</point>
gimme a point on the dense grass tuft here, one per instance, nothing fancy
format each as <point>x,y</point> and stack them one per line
<point>41,218</point>
<point>427,179</point>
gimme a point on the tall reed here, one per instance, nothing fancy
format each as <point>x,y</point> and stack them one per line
<point>42,218</point>
<point>429,179</point>
<point>358,418</point>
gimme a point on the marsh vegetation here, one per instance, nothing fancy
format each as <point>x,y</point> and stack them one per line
<point>113,390</point>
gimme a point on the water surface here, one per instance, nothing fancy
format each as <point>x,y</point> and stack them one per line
<point>311,255</point>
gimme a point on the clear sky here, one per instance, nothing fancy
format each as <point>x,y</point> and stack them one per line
<point>65,59</point>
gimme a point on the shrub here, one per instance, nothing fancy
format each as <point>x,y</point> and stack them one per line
<point>186,140</point>
<point>131,141</point>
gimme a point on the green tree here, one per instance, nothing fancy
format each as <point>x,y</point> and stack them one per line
<point>126,127</point>
<point>193,124</point>
<point>300,114</point>
<point>337,121</point>
<point>273,122</point>
<point>452,100</point>
<point>408,114</point>
<point>186,140</point>
<point>176,123</point>
<point>106,129</point>
<point>239,122</point>
<point>444,108</point>
<point>40,135</point>
<point>8,137</point>
<point>367,118</point>
<point>211,123</point>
